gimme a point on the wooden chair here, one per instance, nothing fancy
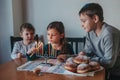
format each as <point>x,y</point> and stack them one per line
<point>77,43</point>
<point>13,40</point>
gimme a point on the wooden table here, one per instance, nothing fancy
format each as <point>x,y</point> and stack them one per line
<point>8,72</point>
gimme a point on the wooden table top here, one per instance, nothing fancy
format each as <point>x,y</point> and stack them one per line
<point>8,71</point>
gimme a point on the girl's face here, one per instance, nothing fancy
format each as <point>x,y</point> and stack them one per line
<point>88,23</point>
<point>27,35</point>
<point>54,36</point>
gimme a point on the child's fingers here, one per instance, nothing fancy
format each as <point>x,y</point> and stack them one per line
<point>81,53</point>
<point>32,50</point>
<point>62,57</point>
<point>19,55</point>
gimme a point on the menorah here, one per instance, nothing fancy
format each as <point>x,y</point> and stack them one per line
<point>45,54</point>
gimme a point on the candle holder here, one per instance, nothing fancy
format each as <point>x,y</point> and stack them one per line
<point>46,57</point>
<point>41,53</point>
<point>48,54</point>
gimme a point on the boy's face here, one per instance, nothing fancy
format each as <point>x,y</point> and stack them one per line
<point>54,36</point>
<point>87,22</point>
<point>27,35</point>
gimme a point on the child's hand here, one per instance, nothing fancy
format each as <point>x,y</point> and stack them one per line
<point>62,57</point>
<point>19,55</point>
<point>81,53</point>
<point>32,50</point>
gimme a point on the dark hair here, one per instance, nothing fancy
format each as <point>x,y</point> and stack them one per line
<point>27,26</point>
<point>92,9</point>
<point>57,25</point>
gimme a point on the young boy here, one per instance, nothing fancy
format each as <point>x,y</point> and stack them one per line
<point>25,47</point>
<point>102,40</point>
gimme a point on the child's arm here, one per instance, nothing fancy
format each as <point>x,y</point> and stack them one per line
<point>62,57</point>
<point>15,51</point>
<point>67,52</point>
<point>31,51</point>
<point>31,54</point>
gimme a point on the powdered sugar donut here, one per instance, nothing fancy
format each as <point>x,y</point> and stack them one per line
<point>70,65</point>
<point>81,59</point>
<point>82,68</point>
<point>94,65</point>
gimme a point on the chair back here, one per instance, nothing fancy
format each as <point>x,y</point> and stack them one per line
<point>77,43</point>
<point>13,40</point>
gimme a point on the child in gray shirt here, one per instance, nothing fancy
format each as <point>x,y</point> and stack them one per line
<point>102,40</point>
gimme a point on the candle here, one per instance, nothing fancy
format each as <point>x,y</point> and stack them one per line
<point>36,44</point>
<point>49,48</point>
<point>38,47</point>
<point>35,48</point>
<point>54,47</point>
<point>52,52</point>
<point>42,48</point>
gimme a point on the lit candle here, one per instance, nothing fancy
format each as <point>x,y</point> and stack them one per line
<point>35,49</point>
<point>40,47</point>
<point>36,44</point>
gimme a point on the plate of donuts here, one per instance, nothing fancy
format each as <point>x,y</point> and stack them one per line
<point>81,65</point>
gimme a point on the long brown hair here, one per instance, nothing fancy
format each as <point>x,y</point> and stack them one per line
<point>58,25</point>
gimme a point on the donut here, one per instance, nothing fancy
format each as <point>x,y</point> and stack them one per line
<point>94,65</point>
<point>70,65</point>
<point>81,59</point>
<point>70,68</point>
<point>83,68</point>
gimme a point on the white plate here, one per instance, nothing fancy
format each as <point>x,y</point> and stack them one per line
<point>84,74</point>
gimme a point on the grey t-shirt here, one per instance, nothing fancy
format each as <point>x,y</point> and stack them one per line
<point>105,48</point>
<point>19,47</point>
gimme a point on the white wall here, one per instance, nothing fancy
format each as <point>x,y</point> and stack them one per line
<point>11,17</point>
<point>6,29</point>
<point>41,12</point>
<point>17,10</point>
